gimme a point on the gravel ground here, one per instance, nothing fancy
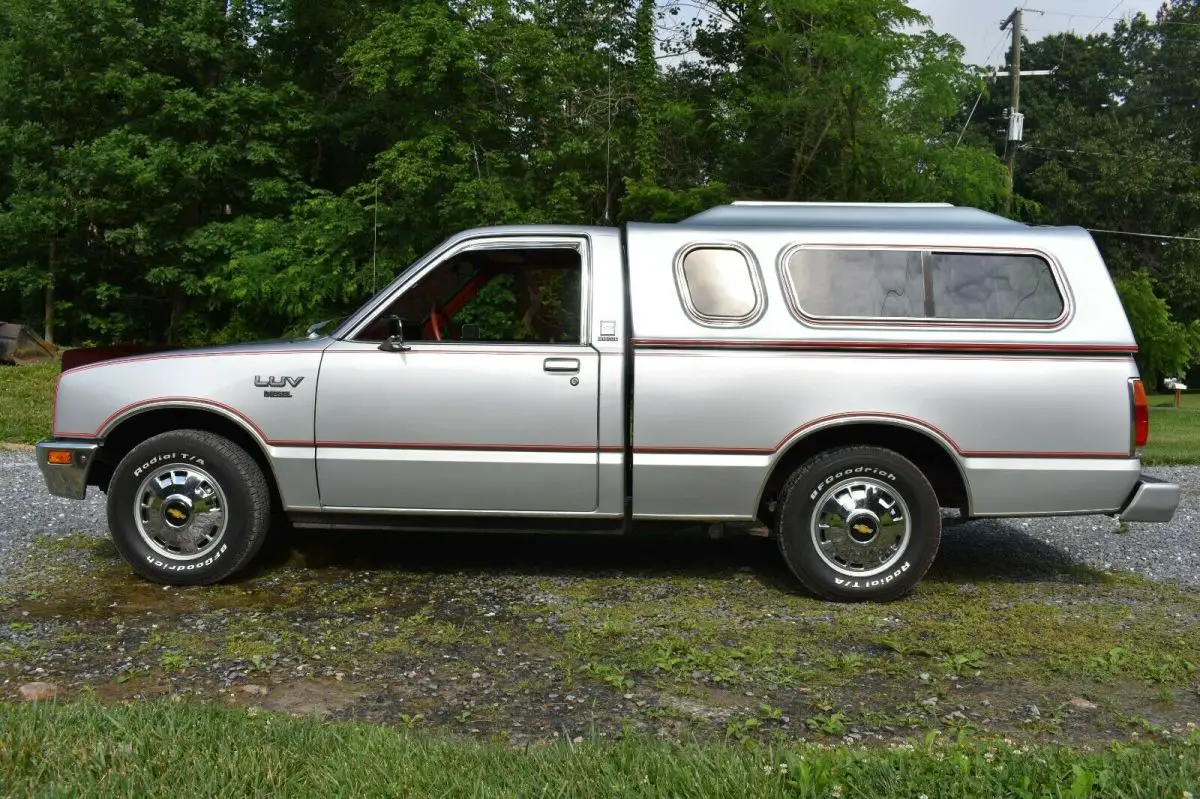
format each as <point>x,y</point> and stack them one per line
<point>1165,552</point>
<point>1169,552</point>
<point>28,509</point>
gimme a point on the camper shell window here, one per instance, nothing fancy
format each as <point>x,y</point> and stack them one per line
<point>877,284</point>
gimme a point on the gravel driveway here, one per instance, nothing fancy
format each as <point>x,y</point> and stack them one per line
<point>1158,551</point>
<point>27,509</point>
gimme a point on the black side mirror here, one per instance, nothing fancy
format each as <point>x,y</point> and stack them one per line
<point>469,332</point>
<point>395,336</point>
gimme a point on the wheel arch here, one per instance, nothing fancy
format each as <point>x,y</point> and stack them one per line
<point>122,434</point>
<point>932,452</point>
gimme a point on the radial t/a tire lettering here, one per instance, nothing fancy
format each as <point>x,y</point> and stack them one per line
<point>858,524</point>
<point>188,507</point>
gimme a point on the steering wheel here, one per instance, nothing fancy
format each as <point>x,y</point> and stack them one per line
<point>436,320</point>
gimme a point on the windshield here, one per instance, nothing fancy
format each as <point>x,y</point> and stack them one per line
<point>383,292</point>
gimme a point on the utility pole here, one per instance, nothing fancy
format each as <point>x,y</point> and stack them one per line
<point>1014,115</point>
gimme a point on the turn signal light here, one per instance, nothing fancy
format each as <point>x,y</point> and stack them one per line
<point>61,457</point>
<point>1141,415</point>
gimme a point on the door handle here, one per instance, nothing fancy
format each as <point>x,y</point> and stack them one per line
<point>561,365</point>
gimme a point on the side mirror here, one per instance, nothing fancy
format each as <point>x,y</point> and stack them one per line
<point>469,332</point>
<point>395,336</point>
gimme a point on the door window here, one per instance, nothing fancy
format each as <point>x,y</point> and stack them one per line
<point>529,295</point>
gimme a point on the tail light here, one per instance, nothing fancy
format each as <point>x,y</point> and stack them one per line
<point>1141,415</point>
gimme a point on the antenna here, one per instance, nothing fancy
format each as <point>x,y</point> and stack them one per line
<point>608,131</point>
<point>375,245</point>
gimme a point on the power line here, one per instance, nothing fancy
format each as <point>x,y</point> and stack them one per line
<point>999,39</point>
<point>1131,156</point>
<point>1147,235</point>
<point>979,96</point>
<point>969,117</point>
<point>1107,16</point>
<point>1094,16</point>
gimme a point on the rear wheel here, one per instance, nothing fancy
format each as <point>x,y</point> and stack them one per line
<point>859,524</point>
<point>188,507</point>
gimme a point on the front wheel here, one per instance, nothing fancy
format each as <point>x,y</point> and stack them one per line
<point>859,524</point>
<point>188,507</point>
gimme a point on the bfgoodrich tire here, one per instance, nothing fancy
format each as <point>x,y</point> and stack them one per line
<point>188,508</point>
<point>859,524</point>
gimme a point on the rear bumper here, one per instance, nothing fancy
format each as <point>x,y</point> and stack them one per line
<point>1152,500</point>
<point>68,480</point>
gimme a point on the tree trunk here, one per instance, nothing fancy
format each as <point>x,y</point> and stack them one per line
<point>178,309</point>
<point>49,309</point>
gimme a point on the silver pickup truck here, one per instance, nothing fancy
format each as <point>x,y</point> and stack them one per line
<point>834,375</point>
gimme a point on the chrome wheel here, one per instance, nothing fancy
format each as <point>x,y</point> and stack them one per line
<point>180,512</point>
<point>860,527</point>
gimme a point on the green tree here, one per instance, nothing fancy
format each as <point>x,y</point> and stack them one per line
<point>1166,347</point>
<point>1112,142</point>
<point>211,170</point>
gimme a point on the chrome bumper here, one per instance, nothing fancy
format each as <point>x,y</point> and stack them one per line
<point>67,480</point>
<point>1153,500</point>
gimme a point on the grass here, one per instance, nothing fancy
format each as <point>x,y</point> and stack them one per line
<point>1174,432</point>
<point>90,749</point>
<point>26,398</point>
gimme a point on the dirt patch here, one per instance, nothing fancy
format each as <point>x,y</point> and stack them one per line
<point>304,697</point>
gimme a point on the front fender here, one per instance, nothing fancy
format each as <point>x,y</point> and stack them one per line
<point>271,392</point>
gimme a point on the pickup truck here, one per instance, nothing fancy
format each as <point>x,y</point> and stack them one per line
<point>835,376</point>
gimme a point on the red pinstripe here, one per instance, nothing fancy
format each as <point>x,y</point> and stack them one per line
<point>170,355</point>
<point>809,344</point>
<point>163,400</point>
<point>869,415</point>
<point>398,445</point>
<point>466,447</point>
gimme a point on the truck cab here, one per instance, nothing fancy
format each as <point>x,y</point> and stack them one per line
<point>425,406</point>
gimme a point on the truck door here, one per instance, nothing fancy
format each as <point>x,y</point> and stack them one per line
<point>490,404</point>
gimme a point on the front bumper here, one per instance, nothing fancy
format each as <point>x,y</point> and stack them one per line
<point>1152,500</point>
<point>69,479</point>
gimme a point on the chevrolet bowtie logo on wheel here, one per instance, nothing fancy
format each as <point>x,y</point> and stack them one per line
<point>862,528</point>
<point>177,513</point>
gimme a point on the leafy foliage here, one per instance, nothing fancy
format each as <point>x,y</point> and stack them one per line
<point>1167,347</point>
<point>214,170</point>
<point>1112,142</point>
<point>211,170</point>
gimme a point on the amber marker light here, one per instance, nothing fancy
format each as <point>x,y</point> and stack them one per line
<point>60,457</point>
<point>1141,414</point>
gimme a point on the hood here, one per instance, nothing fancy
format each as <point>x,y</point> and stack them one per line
<point>82,356</point>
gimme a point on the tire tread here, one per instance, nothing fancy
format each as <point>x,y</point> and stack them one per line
<point>251,477</point>
<point>815,463</point>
